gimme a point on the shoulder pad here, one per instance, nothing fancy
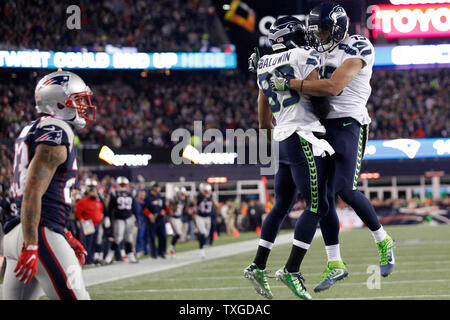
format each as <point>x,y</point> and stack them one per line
<point>53,131</point>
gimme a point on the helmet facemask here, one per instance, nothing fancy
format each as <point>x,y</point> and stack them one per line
<point>81,101</point>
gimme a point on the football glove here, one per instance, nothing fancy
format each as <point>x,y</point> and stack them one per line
<point>253,60</point>
<point>278,82</point>
<point>27,263</point>
<point>80,251</point>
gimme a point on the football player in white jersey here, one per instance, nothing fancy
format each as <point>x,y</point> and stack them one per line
<point>302,163</point>
<point>345,79</point>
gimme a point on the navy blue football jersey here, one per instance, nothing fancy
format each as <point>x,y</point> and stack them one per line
<point>8,210</point>
<point>155,204</point>
<point>121,205</point>
<point>57,200</point>
<point>205,206</point>
<point>179,207</point>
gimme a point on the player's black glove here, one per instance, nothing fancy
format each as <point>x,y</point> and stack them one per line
<point>320,106</point>
<point>253,60</point>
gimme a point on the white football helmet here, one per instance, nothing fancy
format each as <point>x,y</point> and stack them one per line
<point>205,188</point>
<point>122,183</point>
<point>182,193</point>
<point>91,182</point>
<point>65,96</point>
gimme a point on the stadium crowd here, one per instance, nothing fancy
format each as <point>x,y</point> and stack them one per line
<point>136,110</point>
<point>410,104</point>
<point>159,26</point>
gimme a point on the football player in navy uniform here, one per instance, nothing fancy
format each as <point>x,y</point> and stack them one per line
<point>179,207</point>
<point>205,209</point>
<point>155,209</point>
<point>8,207</point>
<point>38,250</point>
<point>8,210</point>
<point>123,211</point>
<point>345,74</point>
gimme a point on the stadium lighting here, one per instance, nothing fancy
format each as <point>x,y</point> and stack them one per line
<point>367,176</point>
<point>217,180</point>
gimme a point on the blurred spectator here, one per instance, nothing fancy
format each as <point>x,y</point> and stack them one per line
<point>155,209</point>
<point>89,212</point>
<point>410,104</point>
<point>254,215</point>
<point>142,238</point>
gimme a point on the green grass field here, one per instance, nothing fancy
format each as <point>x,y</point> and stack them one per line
<point>422,271</point>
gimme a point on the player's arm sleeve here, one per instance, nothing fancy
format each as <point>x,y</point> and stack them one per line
<point>42,167</point>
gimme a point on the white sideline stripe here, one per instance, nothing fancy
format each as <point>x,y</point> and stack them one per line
<point>309,274</point>
<point>125,270</point>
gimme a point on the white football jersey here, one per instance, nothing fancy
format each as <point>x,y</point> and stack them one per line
<point>291,109</point>
<point>351,102</point>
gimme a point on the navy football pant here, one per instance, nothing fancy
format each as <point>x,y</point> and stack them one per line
<point>157,229</point>
<point>348,138</point>
<point>299,171</point>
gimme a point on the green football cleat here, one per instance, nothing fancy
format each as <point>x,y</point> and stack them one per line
<point>387,259</point>
<point>258,278</point>
<point>335,271</point>
<point>294,281</point>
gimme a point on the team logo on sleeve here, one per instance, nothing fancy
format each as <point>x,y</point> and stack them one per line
<point>51,135</point>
